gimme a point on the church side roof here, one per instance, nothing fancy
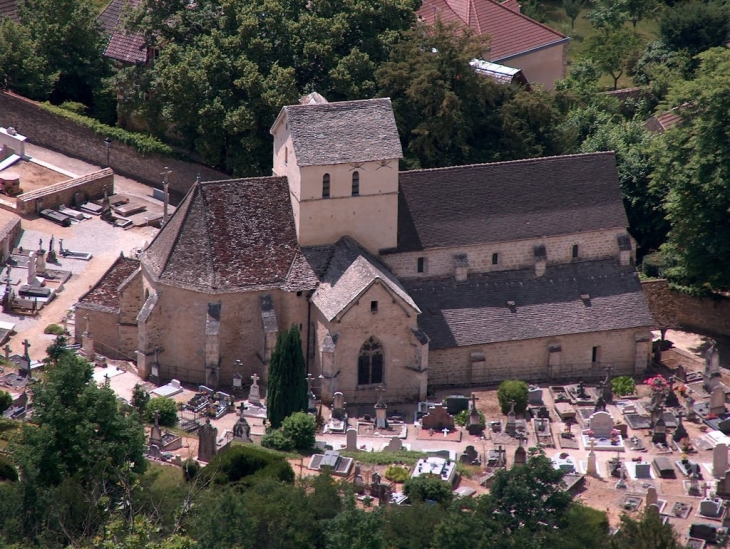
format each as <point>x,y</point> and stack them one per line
<point>8,9</point>
<point>104,296</point>
<point>508,201</point>
<point>477,312</point>
<point>231,235</point>
<point>347,131</point>
<point>350,271</point>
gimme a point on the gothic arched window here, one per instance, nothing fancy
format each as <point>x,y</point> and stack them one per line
<point>370,363</point>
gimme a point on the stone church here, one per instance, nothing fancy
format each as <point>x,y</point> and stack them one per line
<point>401,280</point>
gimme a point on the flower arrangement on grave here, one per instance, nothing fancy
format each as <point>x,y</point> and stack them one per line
<point>658,384</point>
<point>711,416</point>
<point>682,390</point>
<point>589,433</point>
<point>686,445</point>
<point>614,436</point>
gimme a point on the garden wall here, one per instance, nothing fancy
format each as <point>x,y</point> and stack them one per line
<point>55,132</point>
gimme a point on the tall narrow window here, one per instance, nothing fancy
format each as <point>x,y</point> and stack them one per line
<point>575,251</point>
<point>373,306</point>
<point>595,355</point>
<point>326,185</point>
<point>286,156</point>
<point>370,363</point>
<point>355,183</point>
<point>421,264</point>
<point>495,259</point>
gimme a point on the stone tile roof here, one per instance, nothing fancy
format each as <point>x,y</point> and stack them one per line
<point>104,296</point>
<point>232,235</point>
<point>476,312</point>
<point>350,271</point>
<point>347,131</point>
<point>511,32</point>
<point>664,121</point>
<point>507,201</point>
<point>8,9</point>
<point>127,48</point>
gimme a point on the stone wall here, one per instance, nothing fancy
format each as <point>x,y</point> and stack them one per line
<point>66,136</point>
<point>529,359</point>
<point>92,185</point>
<point>706,314</point>
<point>511,255</point>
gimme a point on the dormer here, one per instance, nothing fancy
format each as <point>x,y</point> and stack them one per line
<point>341,161</point>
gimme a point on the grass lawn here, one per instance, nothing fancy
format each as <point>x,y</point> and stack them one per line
<point>555,17</point>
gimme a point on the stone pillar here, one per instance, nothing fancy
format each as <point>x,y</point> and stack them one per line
<point>41,261</point>
<point>31,281</point>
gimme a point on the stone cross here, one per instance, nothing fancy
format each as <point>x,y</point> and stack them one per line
<point>255,379</point>
<point>310,380</point>
<point>512,407</point>
<point>445,431</point>
<point>51,243</point>
<point>40,245</point>
<point>242,408</point>
<point>7,350</point>
<point>157,349</point>
<point>27,346</point>
<point>474,399</point>
<point>60,245</point>
<point>165,186</point>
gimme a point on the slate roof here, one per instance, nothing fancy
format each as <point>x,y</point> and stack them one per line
<point>128,48</point>
<point>508,201</point>
<point>512,33</point>
<point>104,296</point>
<point>343,132</point>
<point>349,271</point>
<point>8,9</point>
<point>232,235</point>
<point>476,312</point>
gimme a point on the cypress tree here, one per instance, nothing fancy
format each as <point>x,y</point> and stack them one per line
<point>287,386</point>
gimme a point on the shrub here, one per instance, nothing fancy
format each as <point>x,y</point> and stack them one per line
<point>73,106</point>
<point>300,428</point>
<point>248,464</point>
<point>277,440</point>
<point>512,389</point>
<point>7,470</point>
<point>623,385</point>
<point>6,401</point>
<point>462,418</point>
<point>190,469</point>
<point>166,407</point>
<point>140,399</point>
<point>428,488</point>
<point>53,329</point>
<point>397,473</point>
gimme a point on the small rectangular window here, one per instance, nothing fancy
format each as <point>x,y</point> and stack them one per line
<point>595,354</point>
<point>421,264</point>
<point>373,306</point>
<point>495,259</point>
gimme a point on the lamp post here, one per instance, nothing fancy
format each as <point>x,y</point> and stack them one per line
<point>108,145</point>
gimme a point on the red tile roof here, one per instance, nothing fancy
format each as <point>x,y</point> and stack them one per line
<point>121,46</point>
<point>512,33</point>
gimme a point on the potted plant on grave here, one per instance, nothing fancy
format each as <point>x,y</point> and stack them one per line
<point>614,437</point>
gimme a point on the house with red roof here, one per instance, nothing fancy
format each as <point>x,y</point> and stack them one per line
<point>516,40</point>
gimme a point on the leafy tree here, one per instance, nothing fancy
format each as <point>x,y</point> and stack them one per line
<point>639,9</point>
<point>6,401</point>
<point>607,15</point>
<point>7,470</point>
<point>140,399</point>
<point>509,390</point>
<point>69,40</point>
<point>585,527</point>
<point>300,428</point>
<point>693,163</point>
<point>660,66</point>
<point>694,26</point>
<point>572,10</point>
<point>166,407</point>
<point>646,532</point>
<point>22,69</point>
<point>287,386</point>
<point>613,49</point>
<point>355,528</point>
<point>426,488</point>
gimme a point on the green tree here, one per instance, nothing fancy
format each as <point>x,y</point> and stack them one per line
<point>607,15</point>
<point>613,50</point>
<point>6,401</point>
<point>694,26</point>
<point>165,407</point>
<point>692,165</point>
<point>287,385</point>
<point>355,528</point>
<point>572,10</point>
<point>426,488</point>
<point>648,531</point>
<point>512,390</point>
<point>22,69</point>
<point>69,40</point>
<point>639,9</point>
<point>140,399</point>
<point>300,428</point>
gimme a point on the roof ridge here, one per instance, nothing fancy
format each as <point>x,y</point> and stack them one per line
<point>560,34</point>
<point>502,163</point>
<point>250,180</point>
<point>336,104</point>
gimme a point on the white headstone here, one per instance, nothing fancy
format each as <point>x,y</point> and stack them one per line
<point>652,498</point>
<point>592,467</point>
<point>719,460</point>
<point>31,269</point>
<point>254,395</point>
<point>352,439</point>
<point>717,401</point>
<point>601,423</point>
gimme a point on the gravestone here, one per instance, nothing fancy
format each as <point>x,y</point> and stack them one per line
<point>338,405</point>
<point>621,484</point>
<point>394,444</point>
<point>719,460</point>
<point>601,423</point>
<point>711,375</point>
<point>254,395</point>
<point>207,441</point>
<point>671,401</point>
<point>471,453</point>
<point>717,401</point>
<point>592,467</point>
<point>511,420</point>
<point>438,419</point>
<point>381,410</point>
<point>154,451</point>
<point>600,405</point>
<point>520,455</point>
<point>156,432</point>
<point>643,470</point>
<point>660,430</point>
<point>652,498</point>
<point>723,486</point>
<point>241,429</point>
<point>352,439</point>
<point>607,387</point>
<point>680,432</point>
<point>690,408</point>
<point>710,507</point>
<point>534,396</point>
